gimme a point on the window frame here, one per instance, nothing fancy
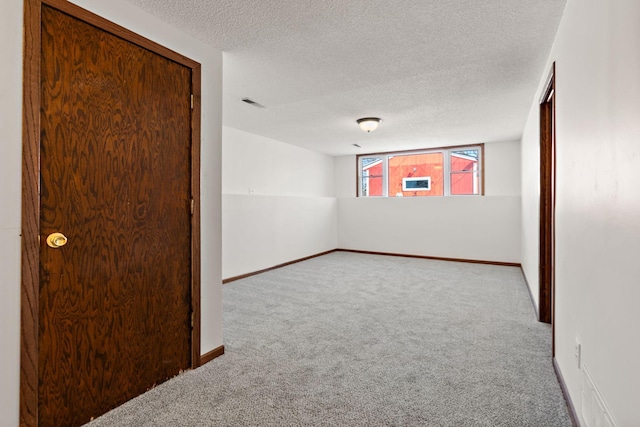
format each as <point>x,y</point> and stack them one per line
<point>447,172</point>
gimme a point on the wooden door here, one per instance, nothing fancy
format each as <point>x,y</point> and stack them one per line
<point>546,270</point>
<point>115,302</point>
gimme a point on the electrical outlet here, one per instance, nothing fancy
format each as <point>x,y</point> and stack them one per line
<point>578,353</point>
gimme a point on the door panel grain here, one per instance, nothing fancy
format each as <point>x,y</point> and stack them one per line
<point>115,301</point>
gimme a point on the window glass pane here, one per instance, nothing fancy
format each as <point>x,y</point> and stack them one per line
<point>465,175</point>
<point>415,175</point>
<point>465,183</point>
<point>371,174</point>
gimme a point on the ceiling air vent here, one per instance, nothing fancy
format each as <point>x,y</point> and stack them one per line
<point>252,102</point>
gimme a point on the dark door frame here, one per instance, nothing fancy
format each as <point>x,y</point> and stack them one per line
<point>547,201</point>
<point>30,271</point>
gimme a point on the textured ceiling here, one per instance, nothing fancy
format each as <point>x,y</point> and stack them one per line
<point>437,72</point>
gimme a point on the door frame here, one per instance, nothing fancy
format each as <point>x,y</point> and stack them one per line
<point>546,269</point>
<point>30,250</point>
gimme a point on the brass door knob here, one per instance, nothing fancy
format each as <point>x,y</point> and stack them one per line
<point>56,240</point>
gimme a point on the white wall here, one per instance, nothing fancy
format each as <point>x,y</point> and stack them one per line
<point>346,184</point>
<point>10,190</point>
<point>277,203</point>
<point>530,164</point>
<point>475,228</point>
<point>10,169</point>
<point>502,168</point>
<point>466,227</point>
<point>597,59</point>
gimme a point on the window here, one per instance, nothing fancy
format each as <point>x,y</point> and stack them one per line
<point>449,171</point>
<point>421,183</point>
<point>371,177</point>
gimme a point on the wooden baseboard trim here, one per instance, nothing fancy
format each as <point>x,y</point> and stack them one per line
<point>244,276</point>
<point>208,357</point>
<point>473,261</point>
<point>565,392</point>
<point>533,301</point>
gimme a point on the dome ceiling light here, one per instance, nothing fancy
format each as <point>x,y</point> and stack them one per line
<point>368,124</point>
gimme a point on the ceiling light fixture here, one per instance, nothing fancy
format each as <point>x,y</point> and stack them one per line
<point>368,124</point>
